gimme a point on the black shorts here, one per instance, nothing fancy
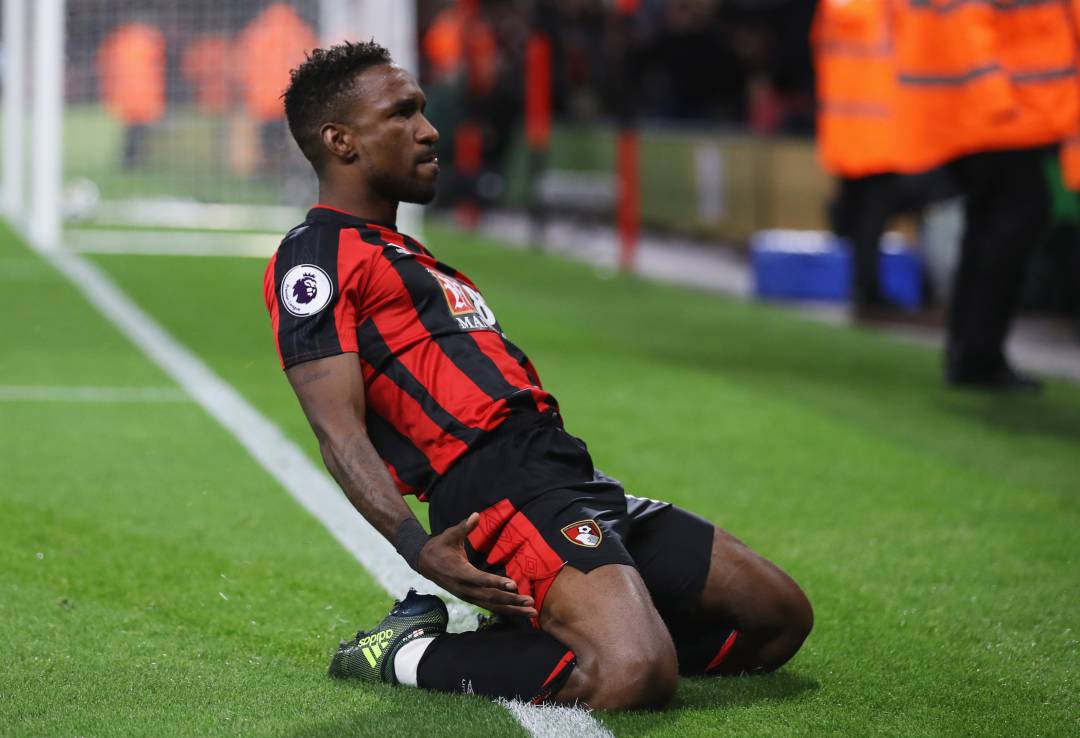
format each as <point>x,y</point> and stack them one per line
<point>543,505</point>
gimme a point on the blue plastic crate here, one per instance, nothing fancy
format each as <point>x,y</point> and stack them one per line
<point>817,266</point>
<point>900,272</point>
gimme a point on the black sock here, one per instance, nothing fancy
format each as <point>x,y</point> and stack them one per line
<point>702,649</point>
<point>527,665</point>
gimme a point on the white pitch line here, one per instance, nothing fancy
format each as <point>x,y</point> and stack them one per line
<point>47,393</point>
<point>555,720</point>
<point>172,243</point>
<point>283,460</point>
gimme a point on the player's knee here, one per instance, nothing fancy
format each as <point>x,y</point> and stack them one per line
<point>634,677</point>
<point>798,617</point>
<point>794,617</point>
<point>801,618</point>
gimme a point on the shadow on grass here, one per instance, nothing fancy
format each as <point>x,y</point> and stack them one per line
<point>827,367</point>
<point>712,693</point>
<point>1019,415</point>
<point>388,712</point>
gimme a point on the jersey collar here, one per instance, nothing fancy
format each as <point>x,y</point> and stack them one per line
<point>326,213</point>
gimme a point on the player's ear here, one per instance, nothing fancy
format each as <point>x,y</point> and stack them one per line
<point>338,140</point>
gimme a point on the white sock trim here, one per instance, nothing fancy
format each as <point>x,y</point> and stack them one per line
<point>408,658</point>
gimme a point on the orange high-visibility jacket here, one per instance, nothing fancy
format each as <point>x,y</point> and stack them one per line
<point>442,42</point>
<point>1070,163</point>
<point>981,75</point>
<point>205,64</point>
<point>856,87</point>
<point>1070,148</point>
<point>131,73</point>
<point>267,49</point>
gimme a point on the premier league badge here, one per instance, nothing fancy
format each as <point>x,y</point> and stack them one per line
<point>584,533</point>
<point>305,290</point>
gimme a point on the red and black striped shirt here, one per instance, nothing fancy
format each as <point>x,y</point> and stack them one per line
<point>439,373</point>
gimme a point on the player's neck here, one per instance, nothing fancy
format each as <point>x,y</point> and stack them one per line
<point>359,203</point>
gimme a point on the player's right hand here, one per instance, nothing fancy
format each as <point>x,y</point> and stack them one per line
<point>443,561</point>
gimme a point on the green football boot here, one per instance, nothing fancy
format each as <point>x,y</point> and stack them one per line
<point>370,655</point>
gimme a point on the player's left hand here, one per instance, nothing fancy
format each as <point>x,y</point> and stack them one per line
<point>443,561</point>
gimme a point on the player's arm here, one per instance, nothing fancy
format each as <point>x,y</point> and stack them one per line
<point>331,392</point>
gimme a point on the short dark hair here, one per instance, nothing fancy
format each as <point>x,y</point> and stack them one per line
<point>317,91</point>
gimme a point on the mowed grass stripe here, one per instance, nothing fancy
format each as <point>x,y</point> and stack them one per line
<point>154,580</point>
<point>935,531</point>
<point>56,393</point>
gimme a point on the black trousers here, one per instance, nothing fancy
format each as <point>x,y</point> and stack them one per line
<point>1006,206</point>
<point>861,211</point>
<point>134,148</point>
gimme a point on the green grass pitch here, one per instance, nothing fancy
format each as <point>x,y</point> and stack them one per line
<point>155,581</point>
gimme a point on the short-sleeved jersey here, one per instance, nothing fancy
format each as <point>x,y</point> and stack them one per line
<point>439,373</point>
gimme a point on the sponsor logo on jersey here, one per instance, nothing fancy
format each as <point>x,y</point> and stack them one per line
<point>305,290</point>
<point>466,305</point>
<point>584,533</point>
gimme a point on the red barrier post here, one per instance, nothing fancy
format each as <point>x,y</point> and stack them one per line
<point>628,208</point>
<point>537,124</point>
<point>628,177</point>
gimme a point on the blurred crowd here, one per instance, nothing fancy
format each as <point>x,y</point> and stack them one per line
<point>742,64</point>
<point>734,63</point>
<point>690,65</point>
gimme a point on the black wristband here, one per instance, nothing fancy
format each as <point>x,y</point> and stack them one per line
<point>409,539</point>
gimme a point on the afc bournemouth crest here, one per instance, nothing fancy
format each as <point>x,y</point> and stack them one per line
<point>584,533</point>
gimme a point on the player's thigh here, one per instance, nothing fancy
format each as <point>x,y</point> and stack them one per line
<point>625,655</point>
<point>694,569</point>
<point>767,610</point>
<point>729,610</point>
<point>750,592</point>
<point>672,549</point>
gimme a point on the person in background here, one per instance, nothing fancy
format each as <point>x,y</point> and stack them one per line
<point>131,75</point>
<point>1005,92</point>
<point>273,43</point>
<point>857,142</point>
<point>441,45</point>
<point>205,65</point>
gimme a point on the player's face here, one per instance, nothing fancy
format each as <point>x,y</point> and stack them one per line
<point>395,143</point>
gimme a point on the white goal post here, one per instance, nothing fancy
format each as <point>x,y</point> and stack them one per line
<point>121,117</point>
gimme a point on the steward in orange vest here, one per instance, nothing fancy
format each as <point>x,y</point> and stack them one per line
<point>131,76</point>
<point>983,75</point>
<point>856,86</point>
<point>131,73</point>
<point>858,142</point>
<point>205,65</point>
<point>267,49</point>
<point>990,86</point>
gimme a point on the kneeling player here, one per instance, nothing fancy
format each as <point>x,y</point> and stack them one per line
<point>411,386</point>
